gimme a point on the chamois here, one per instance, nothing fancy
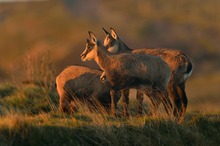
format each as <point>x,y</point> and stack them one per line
<point>82,83</point>
<point>180,65</point>
<point>146,73</point>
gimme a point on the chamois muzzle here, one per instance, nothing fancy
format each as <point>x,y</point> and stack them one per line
<point>83,55</point>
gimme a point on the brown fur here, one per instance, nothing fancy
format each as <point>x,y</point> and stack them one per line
<point>82,83</point>
<point>147,73</point>
<point>180,65</point>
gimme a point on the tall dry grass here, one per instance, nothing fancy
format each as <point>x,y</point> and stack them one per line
<point>39,69</point>
<point>88,127</point>
<point>21,123</point>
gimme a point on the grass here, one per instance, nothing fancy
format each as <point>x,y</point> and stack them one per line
<point>29,115</point>
<point>62,26</point>
<point>6,90</point>
<point>28,100</point>
<point>29,118</point>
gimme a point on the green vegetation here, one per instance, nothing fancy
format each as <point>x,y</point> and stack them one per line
<point>27,100</point>
<point>29,118</point>
<point>6,90</point>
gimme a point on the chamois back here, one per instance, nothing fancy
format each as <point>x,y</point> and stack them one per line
<point>147,73</point>
<point>129,69</point>
<point>179,63</point>
<point>81,83</point>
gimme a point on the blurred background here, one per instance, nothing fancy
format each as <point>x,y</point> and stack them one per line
<point>29,28</point>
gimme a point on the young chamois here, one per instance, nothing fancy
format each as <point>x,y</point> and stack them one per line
<point>82,83</point>
<point>180,65</point>
<point>147,73</point>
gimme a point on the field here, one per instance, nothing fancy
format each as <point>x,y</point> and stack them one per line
<point>29,116</point>
<point>39,39</point>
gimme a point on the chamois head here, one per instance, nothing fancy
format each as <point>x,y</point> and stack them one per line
<point>89,53</point>
<point>111,41</point>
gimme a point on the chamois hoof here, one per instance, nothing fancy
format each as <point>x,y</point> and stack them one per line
<point>176,113</point>
<point>140,114</point>
<point>116,115</point>
<point>126,115</point>
<point>179,119</point>
<point>150,114</point>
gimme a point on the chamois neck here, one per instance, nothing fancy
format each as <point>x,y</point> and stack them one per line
<point>103,57</point>
<point>124,47</point>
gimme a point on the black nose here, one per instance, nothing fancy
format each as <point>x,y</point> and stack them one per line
<point>82,55</point>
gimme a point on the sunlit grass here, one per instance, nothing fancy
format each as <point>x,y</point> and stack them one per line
<point>25,124</point>
<point>62,26</point>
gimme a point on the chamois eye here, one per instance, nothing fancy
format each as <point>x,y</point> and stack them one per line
<point>110,44</point>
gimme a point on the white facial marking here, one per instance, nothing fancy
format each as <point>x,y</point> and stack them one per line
<point>89,56</point>
<point>114,49</point>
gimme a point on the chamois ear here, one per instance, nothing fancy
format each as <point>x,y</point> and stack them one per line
<point>113,33</point>
<point>105,31</point>
<point>93,38</point>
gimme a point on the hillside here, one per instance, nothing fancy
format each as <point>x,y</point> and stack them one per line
<point>61,26</point>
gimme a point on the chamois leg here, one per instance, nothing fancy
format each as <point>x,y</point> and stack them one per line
<point>125,100</point>
<point>182,94</point>
<point>165,100</point>
<point>140,98</point>
<point>113,103</point>
<point>155,101</point>
<point>117,98</point>
<point>139,94</point>
<point>64,103</point>
<point>175,99</point>
<point>103,77</point>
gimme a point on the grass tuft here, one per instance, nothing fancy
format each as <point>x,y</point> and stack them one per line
<point>6,90</point>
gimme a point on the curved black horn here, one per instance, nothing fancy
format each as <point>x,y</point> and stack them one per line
<point>106,32</point>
